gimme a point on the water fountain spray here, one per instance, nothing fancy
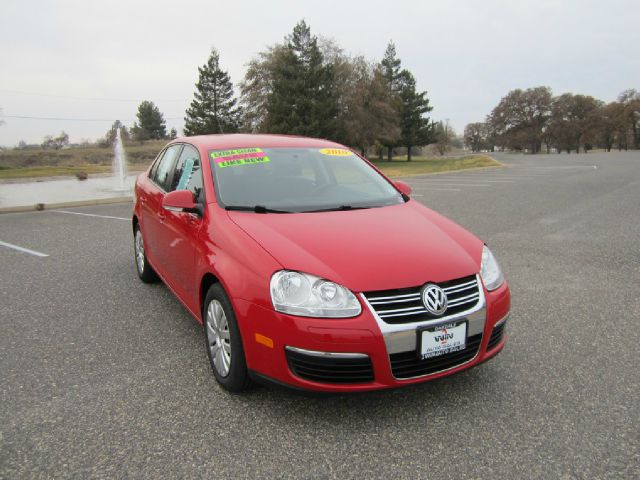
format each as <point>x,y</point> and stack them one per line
<point>119,162</point>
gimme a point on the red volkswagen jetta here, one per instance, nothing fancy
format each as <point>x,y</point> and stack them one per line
<point>311,269</point>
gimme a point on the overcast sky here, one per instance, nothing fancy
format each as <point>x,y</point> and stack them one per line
<point>96,61</point>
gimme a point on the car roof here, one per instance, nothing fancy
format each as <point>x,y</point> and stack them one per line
<point>255,140</point>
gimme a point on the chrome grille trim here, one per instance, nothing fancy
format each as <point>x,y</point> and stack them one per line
<point>412,298</point>
<point>461,300</point>
<point>383,313</point>
<point>394,298</point>
<point>401,337</point>
<point>413,312</point>
<point>316,353</point>
<point>460,295</point>
<point>459,288</point>
<point>502,320</point>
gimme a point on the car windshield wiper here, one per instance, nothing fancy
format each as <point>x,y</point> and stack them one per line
<point>339,209</point>
<point>255,208</point>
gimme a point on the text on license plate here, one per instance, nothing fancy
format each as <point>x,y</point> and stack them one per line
<point>443,339</point>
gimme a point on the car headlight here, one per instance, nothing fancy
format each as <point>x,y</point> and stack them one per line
<point>306,295</point>
<point>490,270</point>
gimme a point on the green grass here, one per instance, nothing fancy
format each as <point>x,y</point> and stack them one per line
<point>422,165</point>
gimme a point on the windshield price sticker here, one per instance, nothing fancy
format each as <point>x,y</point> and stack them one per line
<point>336,152</point>
<point>240,156</point>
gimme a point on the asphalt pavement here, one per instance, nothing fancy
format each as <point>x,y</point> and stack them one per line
<point>102,376</point>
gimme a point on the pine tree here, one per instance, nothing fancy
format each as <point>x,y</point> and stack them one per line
<point>303,99</point>
<point>391,68</point>
<point>391,65</point>
<point>416,128</point>
<point>411,105</point>
<point>110,136</point>
<point>150,123</point>
<point>213,109</point>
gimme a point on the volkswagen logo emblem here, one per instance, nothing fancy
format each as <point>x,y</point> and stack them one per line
<point>434,299</point>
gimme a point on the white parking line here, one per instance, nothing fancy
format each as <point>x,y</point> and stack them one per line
<point>559,167</point>
<point>91,215</point>
<point>506,177</point>
<point>521,174</point>
<point>483,180</point>
<point>423,184</point>
<point>22,249</point>
<point>512,179</point>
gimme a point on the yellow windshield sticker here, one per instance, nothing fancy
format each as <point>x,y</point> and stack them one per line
<point>336,152</point>
<point>240,156</point>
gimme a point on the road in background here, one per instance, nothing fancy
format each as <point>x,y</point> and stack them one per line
<point>103,376</point>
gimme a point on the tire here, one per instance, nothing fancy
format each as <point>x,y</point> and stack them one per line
<point>146,273</point>
<point>223,341</point>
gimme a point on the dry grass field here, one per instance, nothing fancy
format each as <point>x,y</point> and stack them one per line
<point>30,163</point>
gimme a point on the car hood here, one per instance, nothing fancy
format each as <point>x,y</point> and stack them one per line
<point>383,248</point>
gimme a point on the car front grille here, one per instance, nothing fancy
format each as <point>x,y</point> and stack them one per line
<point>405,305</point>
<point>496,335</point>
<point>409,365</point>
<point>330,370</point>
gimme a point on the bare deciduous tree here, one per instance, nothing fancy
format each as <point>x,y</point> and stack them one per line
<point>444,136</point>
<point>367,113</point>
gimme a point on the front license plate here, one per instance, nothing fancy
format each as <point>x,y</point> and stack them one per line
<point>443,339</point>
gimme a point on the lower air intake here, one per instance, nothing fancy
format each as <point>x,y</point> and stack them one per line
<point>330,370</point>
<point>409,365</point>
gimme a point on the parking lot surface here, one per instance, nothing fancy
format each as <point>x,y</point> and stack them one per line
<point>103,376</point>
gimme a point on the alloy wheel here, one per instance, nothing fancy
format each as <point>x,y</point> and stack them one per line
<point>139,245</point>
<point>218,338</point>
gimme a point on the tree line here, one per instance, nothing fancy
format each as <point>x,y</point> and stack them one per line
<point>150,125</point>
<point>309,86</point>
<point>528,120</point>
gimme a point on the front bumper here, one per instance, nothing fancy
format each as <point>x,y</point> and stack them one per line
<point>359,338</point>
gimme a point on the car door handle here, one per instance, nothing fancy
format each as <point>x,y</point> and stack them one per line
<point>162,217</point>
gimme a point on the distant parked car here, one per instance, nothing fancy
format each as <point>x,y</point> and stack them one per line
<point>309,268</point>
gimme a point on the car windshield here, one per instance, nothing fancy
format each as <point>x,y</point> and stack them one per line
<point>283,180</point>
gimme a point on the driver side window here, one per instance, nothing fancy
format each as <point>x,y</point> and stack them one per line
<point>188,173</point>
<point>161,175</point>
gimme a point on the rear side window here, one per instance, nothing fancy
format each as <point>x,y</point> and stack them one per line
<point>188,172</point>
<point>162,173</point>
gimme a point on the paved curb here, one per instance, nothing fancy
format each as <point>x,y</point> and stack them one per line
<point>78,203</point>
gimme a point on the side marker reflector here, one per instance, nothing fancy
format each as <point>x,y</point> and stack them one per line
<point>266,341</point>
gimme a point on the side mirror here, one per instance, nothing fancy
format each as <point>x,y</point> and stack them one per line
<point>180,201</point>
<point>403,187</point>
